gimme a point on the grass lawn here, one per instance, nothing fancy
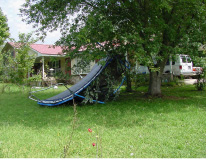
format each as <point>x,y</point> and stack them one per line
<point>133,126</point>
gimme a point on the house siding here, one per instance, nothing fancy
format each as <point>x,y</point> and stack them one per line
<point>74,62</point>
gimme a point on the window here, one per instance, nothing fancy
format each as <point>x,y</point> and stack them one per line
<point>13,53</point>
<point>168,62</point>
<point>56,65</point>
<point>186,59</point>
<point>173,62</point>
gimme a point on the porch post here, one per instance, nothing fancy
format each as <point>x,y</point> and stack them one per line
<point>43,67</point>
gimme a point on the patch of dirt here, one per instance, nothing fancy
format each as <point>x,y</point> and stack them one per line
<point>145,96</point>
<point>174,98</point>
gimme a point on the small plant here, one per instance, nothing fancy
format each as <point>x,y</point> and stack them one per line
<point>201,75</point>
<point>201,83</point>
<point>174,83</point>
<point>74,122</point>
<point>139,79</point>
<point>94,136</point>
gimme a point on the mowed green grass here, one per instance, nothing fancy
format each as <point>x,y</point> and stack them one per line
<point>133,126</point>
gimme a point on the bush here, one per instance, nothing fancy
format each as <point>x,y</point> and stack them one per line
<point>139,79</point>
<point>201,83</point>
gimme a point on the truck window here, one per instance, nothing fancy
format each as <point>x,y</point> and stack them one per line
<point>173,61</point>
<point>168,62</point>
<point>183,58</point>
<point>189,60</point>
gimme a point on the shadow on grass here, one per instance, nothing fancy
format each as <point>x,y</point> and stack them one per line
<point>129,110</point>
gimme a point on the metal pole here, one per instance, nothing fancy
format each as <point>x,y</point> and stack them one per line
<point>43,67</point>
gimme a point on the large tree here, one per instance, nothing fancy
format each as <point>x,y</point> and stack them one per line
<point>147,31</point>
<point>4,29</point>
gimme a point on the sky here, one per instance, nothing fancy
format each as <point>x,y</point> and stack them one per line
<point>10,9</point>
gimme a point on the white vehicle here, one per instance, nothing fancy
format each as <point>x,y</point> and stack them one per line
<point>139,69</point>
<point>182,65</point>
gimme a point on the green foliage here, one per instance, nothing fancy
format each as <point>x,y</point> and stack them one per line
<point>82,65</point>
<point>199,60</point>
<point>34,78</point>
<point>176,82</point>
<point>1,65</point>
<point>139,80</point>
<point>101,89</point>
<point>16,69</point>
<point>149,31</point>
<point>201,83</point>
<point>91,92</point>
<point>201,76</point>
<point>4,29</point>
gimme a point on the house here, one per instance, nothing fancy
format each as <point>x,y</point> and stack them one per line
<point>50,60</point>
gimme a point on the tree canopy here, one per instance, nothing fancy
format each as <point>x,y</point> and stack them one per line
<point>148,31</point>
<point>4,29</point>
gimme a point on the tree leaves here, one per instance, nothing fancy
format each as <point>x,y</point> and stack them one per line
<point>4,29</point>
<point>145,29</point>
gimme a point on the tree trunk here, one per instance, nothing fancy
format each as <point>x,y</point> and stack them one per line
<point>155,84</point>
<point>156,79</point>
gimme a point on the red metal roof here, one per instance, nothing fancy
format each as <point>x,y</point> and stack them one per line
<point>47,49</point>
<point>15,45</point>
<point>42,48</point>
<point>51,49</point>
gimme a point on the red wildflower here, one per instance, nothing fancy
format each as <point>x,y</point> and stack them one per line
<point>93,144</point>
<point>89,130</point>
